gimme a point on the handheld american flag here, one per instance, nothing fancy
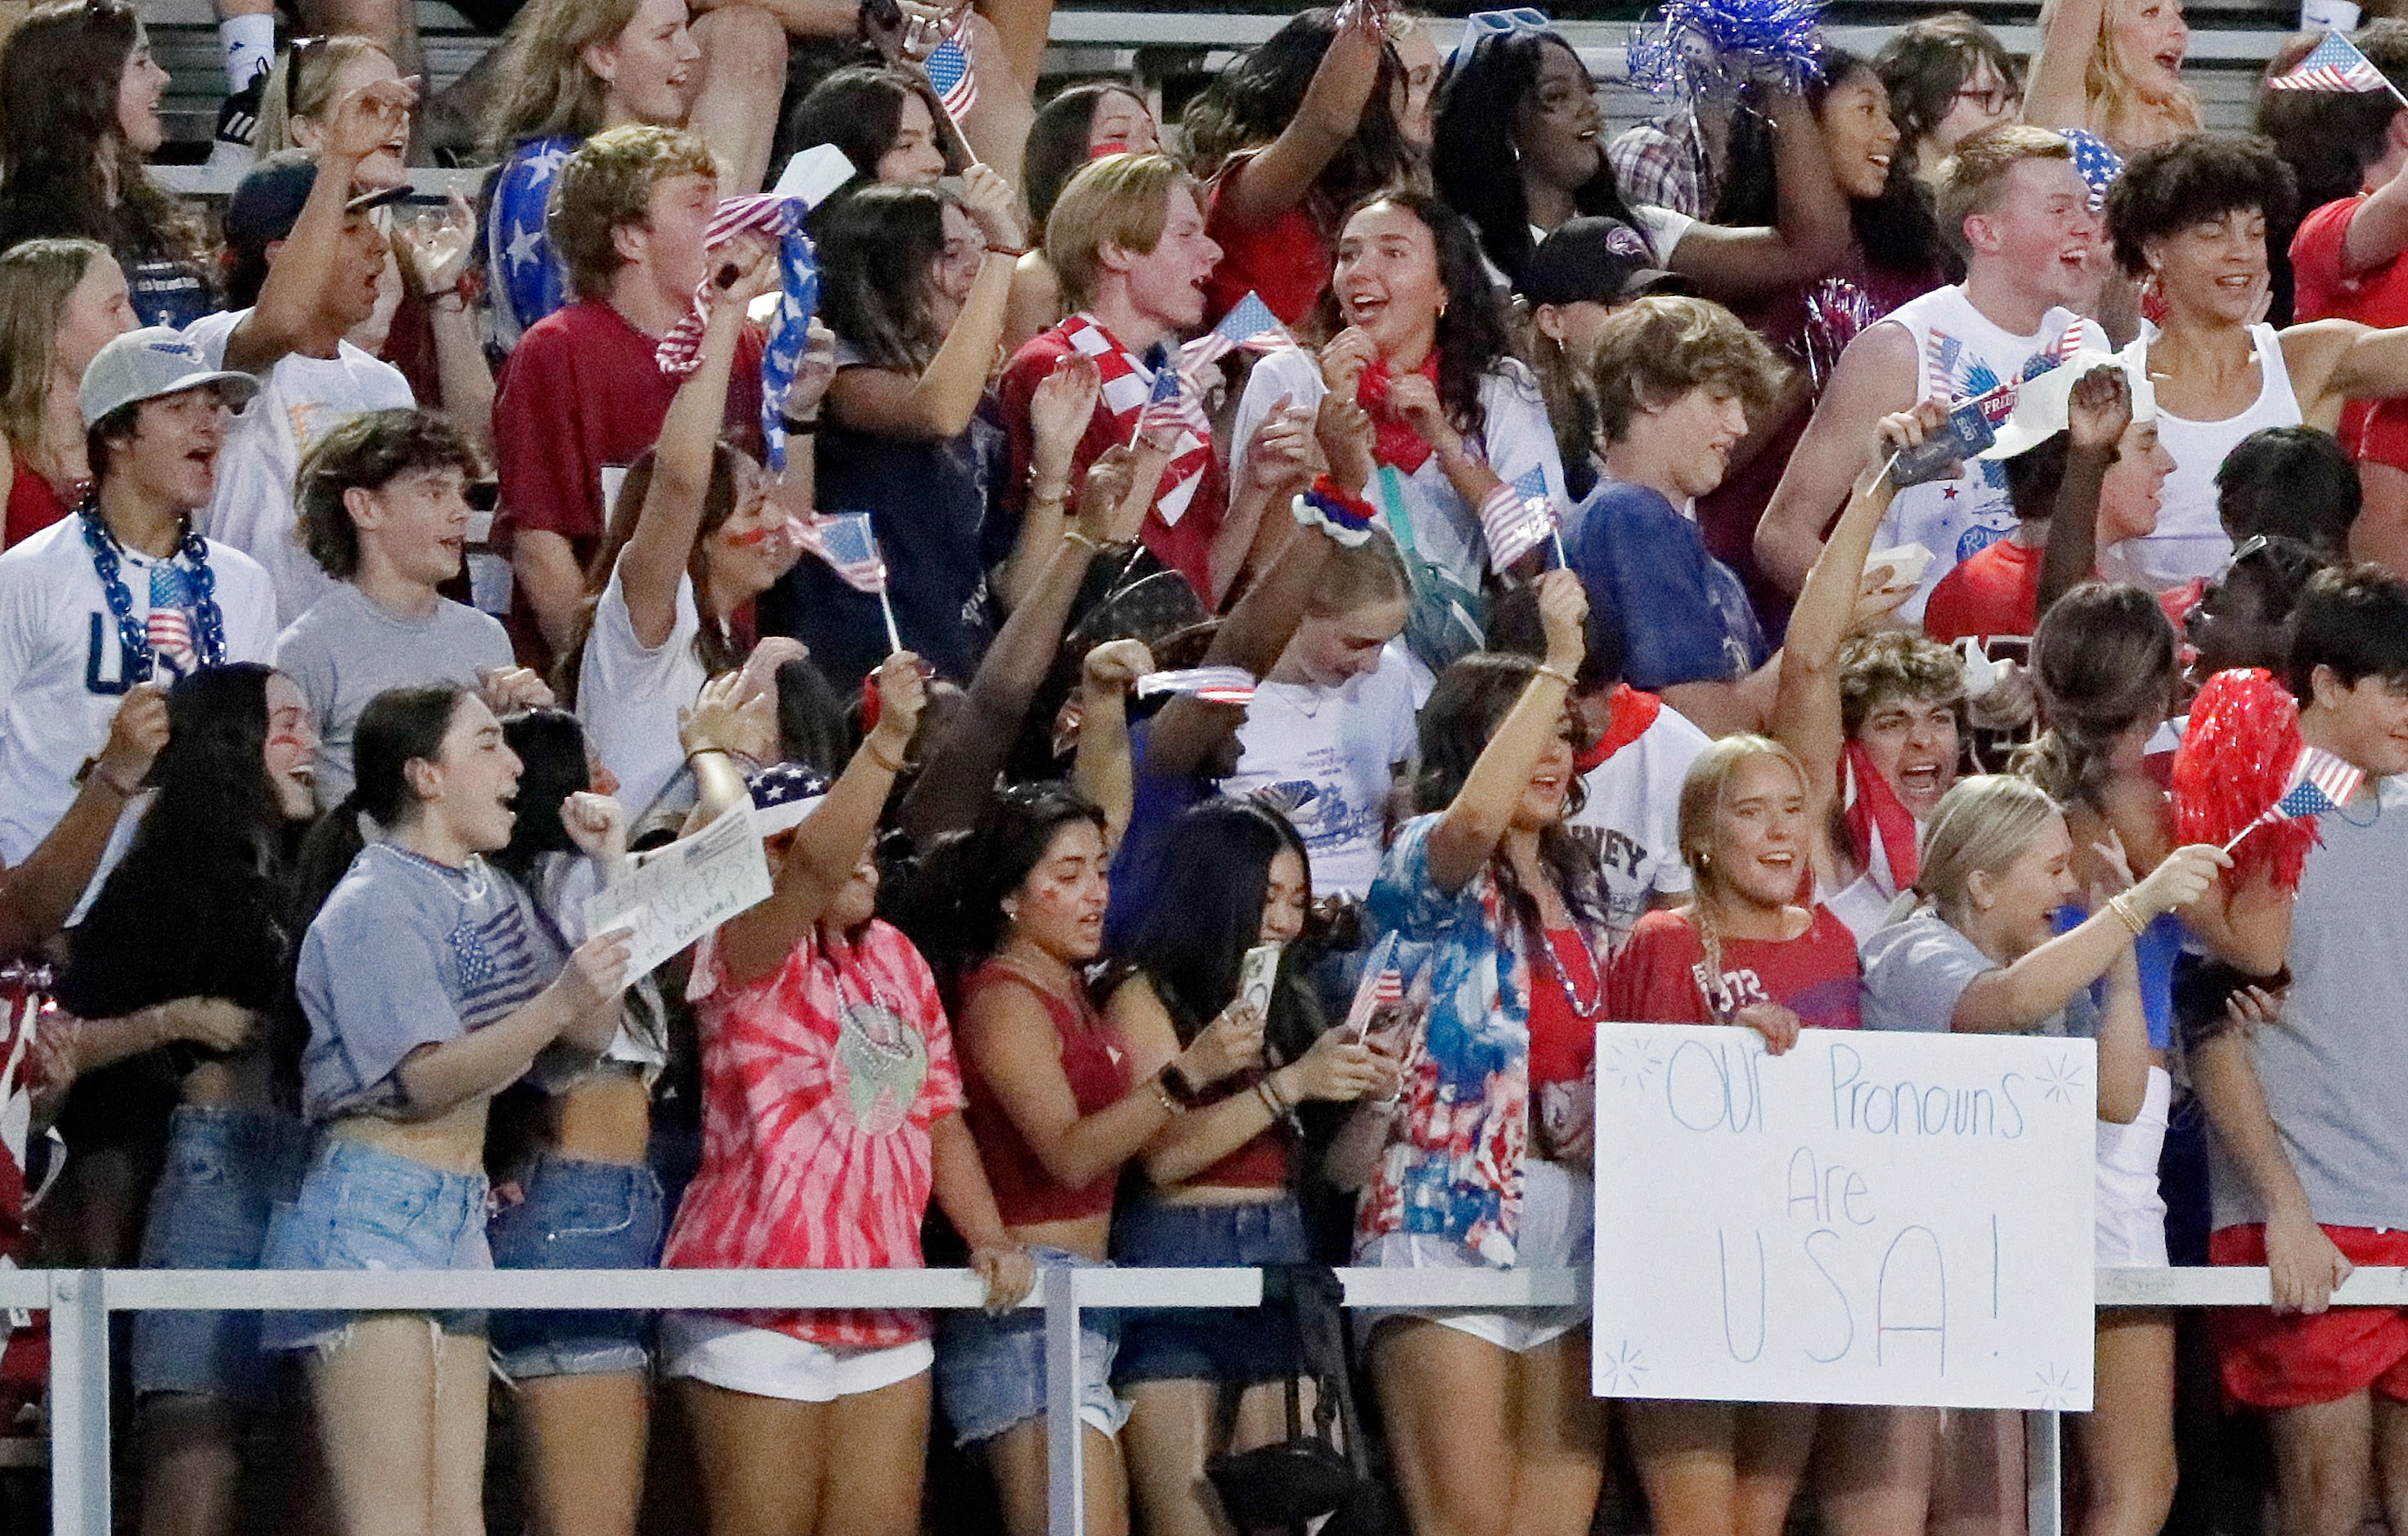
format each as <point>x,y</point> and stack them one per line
<point>953,74</point>
<point>1249,324</point>
<point>2335,65</point>
<point>2319,782</point>
<point>849,544</point>
<point>1172,406</point>
<point>1383,985</point>
<point>1518,518</point>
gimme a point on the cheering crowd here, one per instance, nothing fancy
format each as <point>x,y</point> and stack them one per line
<point>1243,634</point>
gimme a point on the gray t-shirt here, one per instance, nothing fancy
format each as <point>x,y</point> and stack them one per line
<point>1916,968</point>
<point>409,952</point>
<point>346,650</point>
<point>2335,1069</point>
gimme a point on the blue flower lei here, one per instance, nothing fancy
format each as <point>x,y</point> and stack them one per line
<point>132,634</point>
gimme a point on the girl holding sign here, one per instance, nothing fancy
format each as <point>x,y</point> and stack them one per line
<point>1500,912</point>
<point>429,985</point>
<point>1748,951</point>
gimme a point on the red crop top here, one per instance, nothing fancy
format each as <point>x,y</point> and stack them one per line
<point>1262,1162</point>
<point>1096,1064</point>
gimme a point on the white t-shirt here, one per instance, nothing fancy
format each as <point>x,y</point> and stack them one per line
<point>1634,798</point>
<point>62,673</point>
<point>1516,439</point>
<point>1332,753</point>
<point>303,398</point>
<point>629,697</point>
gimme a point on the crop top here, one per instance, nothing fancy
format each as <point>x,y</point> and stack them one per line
<point>1096,1064</point>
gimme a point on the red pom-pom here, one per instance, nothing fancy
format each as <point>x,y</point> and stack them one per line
<point>2233,764</point>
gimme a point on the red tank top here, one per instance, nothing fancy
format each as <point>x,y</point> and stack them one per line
<point>1261,1163</point>
<point>1096,1066</point>
<point>1561,1043</point>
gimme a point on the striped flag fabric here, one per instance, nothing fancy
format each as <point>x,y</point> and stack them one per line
<point>2319,782</point>
<point>1212,684</point>
<point>1172,406</point>
<point>1517,518</point>
<point>953,74</point>
<point>1383,985</point>
<point>2334,65</point>
<point>1249,324</point>
<point>846,542</point>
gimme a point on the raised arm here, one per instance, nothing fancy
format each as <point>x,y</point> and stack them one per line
<point>829,845</point>
<point>432,258</point>
<point>1276,177</point>
<point>935,403</point>
<point>2335,361</point>
<point>1279,464</point>
<point>1468,833</point>
<point>2056,92</point>
<point>1811,231</point>
<point>1101,766</point>
<point>362,122</point>
<point>1059,409</point>
<point>2098,411</point>
<point>2378,229</point>
<point>1877,376</point>
<point>656,560</point>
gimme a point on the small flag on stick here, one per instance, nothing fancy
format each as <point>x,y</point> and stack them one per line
<point>2319,782</point>
<point>1249,324</point>
<point>2335,65</point>
<point>953,74</point>
<point>849,546</point>
<point>1518,518</point>
<point>1171,407</point>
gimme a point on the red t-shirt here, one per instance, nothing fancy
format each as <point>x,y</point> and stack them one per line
<point>1659,978</point>
<point>2376,430</point>
<point>1561,1045</point>
<point>1995,593</point>
<point>34,504</point>
<point>1288,261</point>
<point>1185,546</point>
<point>581,392</point>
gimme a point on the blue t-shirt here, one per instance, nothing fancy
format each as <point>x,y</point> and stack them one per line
<point>1160,800</point>
<point>1683,615</point>
<point>2156,950</point>
<point>409,952</point>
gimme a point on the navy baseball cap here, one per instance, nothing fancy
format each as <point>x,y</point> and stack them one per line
<point>1596,260</point>
<point>268,202</point>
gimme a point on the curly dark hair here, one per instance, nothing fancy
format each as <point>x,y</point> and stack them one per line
<point>1471,154</point>
<point>1249,103</point>
<point>2198,178</point>
<point>1897,231</point>
<point>1475,333</point>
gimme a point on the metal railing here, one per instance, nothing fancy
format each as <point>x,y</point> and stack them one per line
<point>80,1302</point>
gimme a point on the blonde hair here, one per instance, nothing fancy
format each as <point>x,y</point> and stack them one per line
<point>1121,199</point>
<point>607,185</point>
<point>303,85</point>
<point>1972,178</point>
<point>1704,792</point>
<point>36,278</point>
<point>544,87</point>
<point>2115,100</point>
<point>1987,822</point>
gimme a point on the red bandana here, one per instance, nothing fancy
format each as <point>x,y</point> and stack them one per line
<point>1633,712</point>
<point>1399,444</point>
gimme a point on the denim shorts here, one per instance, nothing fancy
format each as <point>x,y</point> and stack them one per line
<point>225,1173</point>
<point>991,1370</point>
<point>577,1215</point>
<point>362,1208</point>
<point>1229,1345</point>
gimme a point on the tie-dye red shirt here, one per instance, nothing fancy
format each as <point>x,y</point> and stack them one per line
<point>818,1084</point>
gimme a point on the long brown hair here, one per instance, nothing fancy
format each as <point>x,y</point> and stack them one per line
<point>59,75</point>
<point>36,278</point>
<point>719,650</point>
<point>544,87</point>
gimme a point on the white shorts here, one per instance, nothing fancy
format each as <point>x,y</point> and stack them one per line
<point>2132,1213</point>
<point>769,1364</point>
<point>1556,1232</point>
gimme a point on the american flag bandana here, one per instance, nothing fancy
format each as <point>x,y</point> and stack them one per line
<point>779,218</point>
<point>953,72</point>
<point>1518,518</point>
<point>1128,389</point>
<point>849,545</point>
<point>1212,684</point>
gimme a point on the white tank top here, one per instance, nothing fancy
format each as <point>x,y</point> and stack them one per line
<point>1962,352</point>
<point>2189,541</point>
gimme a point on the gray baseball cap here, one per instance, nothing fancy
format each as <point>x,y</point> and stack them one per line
<point>147,363</point>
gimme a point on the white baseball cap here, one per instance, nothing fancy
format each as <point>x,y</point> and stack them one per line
<point>147,363</point>
<point>2043,405</point>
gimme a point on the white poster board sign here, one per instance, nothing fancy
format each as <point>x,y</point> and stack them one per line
<point>1868,1218</point>
<point>678,893</point>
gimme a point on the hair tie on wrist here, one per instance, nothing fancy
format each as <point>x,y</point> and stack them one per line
<point>1345,516</point>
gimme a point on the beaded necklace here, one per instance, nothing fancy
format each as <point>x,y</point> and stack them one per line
<point>1593,1009</point>
<point>132,634</point>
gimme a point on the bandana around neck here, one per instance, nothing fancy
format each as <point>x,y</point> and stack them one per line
<point>1399,444</point>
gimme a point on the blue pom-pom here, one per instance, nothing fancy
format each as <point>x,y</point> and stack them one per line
<point>1693,44</point>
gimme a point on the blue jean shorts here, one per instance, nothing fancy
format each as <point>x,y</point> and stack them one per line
<point>577,1215</point>
<point>1232,1346</point>
<point>991,1370</point>
<point>226,1171</point>
<point>366,1209</point>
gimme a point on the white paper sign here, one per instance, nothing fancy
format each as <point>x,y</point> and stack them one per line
<point>1869,1218</point>
<point>678,893</point>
